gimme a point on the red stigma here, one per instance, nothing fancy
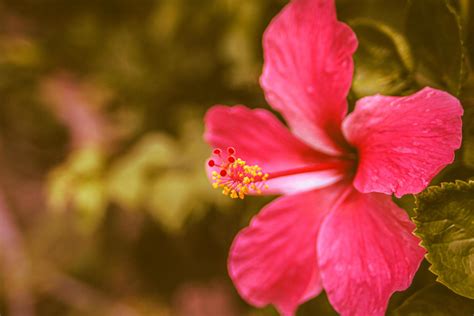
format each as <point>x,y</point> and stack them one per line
<point>216,151</point>
<point>230,159</point>
<point>211,163</point>
<point>223,173</point>
<point>230,150</point>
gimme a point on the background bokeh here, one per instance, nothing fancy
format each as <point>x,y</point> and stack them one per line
<point>104,205</point>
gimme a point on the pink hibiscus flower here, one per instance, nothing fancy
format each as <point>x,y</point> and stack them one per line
<point>335,227</point>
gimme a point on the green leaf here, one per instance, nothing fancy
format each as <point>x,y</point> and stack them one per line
<point>435,300</point>
<point>445,223</point>
<point>383,60</point>
<point>434,31</point>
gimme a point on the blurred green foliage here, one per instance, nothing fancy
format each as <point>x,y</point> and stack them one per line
<point>437,42</point>
<point>101,150</point>
<point>435,300</point>
<point>384,60</point>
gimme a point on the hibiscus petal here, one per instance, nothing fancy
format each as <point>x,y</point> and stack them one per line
<point>366,251</point>
<point>273,260</point>
<point>261,139</point>
<point>403,142</point>
<point>308,70</point>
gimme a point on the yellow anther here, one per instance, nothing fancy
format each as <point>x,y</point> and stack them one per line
<point>237,179</point>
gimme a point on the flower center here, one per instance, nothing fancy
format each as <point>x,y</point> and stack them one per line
<point>237,179</point>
